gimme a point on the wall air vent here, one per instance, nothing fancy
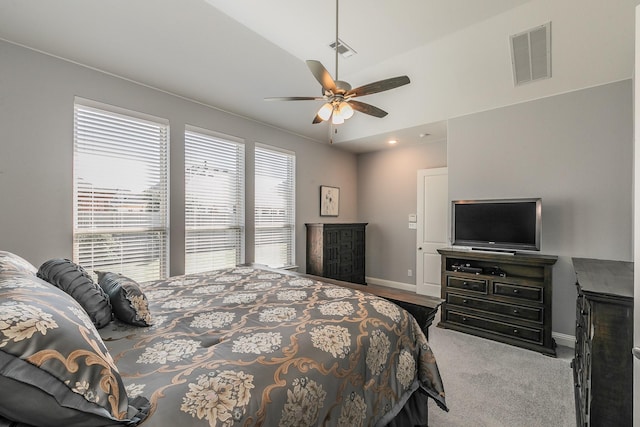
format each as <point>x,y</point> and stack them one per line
<point>343,49</point>
<point>531,54</point>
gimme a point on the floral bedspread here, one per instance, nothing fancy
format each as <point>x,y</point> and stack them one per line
<point>246,346</point>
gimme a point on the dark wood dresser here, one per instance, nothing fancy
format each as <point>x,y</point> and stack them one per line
<point>337,251</point>
<point>498,296</point>
<point>603,363</point>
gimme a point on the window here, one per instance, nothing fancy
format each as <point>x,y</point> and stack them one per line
<point>214,201</point>
<point>275,206</point>
<point>120,183</point>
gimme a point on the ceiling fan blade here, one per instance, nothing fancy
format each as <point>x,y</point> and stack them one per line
<point>322,75</point>
<point>295,98</point>
<point>367,109</point>
<point>317,120</point>
<point>379,86</point>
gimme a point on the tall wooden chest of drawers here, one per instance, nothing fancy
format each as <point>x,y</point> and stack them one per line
<point>502,297</point>
<point>603,362</point>
<point>336,251</point>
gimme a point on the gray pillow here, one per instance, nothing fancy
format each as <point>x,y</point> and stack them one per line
<point>54,368</point>
<point>74,280</point>
<point>129,303</point>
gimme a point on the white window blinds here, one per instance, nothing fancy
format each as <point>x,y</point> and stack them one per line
<point>214,201</point>
<point>120,192</point>
<point>275,194</point>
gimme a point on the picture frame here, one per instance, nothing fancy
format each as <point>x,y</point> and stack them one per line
<point>329,200</point>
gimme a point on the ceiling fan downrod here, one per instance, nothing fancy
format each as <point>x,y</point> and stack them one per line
<point>337,78</point>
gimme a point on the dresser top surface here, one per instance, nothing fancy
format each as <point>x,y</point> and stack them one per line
<point>333,224</point>
<point>604,276</point>
<point>518,258</point>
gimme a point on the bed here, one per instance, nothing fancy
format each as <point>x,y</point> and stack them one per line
<point>253,346</point>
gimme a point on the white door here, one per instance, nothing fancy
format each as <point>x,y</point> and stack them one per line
<point>432,228</point>
<point>636,233</point>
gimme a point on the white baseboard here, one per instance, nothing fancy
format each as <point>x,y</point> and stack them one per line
<point>391,284</point>
<point>564,339</point>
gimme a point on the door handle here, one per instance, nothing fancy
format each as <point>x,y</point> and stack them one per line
<point>636,352</point>
<point>420,248</point>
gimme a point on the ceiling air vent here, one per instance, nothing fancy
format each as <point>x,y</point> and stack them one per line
<point>531,54</point>
<point>343,49</point>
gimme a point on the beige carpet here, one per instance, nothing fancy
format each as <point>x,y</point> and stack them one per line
<point>490,384</point>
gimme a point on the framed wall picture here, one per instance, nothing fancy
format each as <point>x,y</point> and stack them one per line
<point>329,201</point>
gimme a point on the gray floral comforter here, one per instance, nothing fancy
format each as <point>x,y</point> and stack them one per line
<point>246,346</point>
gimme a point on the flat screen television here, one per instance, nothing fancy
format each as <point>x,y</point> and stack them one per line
<point>505,224</point>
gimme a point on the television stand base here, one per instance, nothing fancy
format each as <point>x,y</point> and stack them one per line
<point>509,301</point>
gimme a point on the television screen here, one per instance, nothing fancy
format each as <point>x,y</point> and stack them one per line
<point>502,224</point>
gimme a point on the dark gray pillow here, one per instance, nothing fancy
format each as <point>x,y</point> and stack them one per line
<point>54,368</point>
<point>129,303</point>
<point>74,280</point>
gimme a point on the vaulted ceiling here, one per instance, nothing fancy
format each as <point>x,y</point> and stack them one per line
<point>233,54</point>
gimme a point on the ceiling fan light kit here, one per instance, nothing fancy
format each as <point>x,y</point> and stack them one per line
<point>338,95</point>
<point>345,110</point>
<point>325,111</point>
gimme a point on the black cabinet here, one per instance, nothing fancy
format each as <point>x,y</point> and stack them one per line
<point>603,362</point>
<point>502,297</point>
<point>336,251</point>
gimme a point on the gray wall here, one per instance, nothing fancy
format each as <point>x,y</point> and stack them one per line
<point>36,154</point>
<point>387,194</point>
<point>575,151</point>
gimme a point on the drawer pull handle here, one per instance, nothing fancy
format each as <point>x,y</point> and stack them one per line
<point>465,284</point>
<point>515,331</point>
<point>464,319</point>
<point>516,291</point>
<point>464,301</point>
<point>515,311</point>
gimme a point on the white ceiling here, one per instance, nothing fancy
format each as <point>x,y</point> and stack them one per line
<point>231,54</point>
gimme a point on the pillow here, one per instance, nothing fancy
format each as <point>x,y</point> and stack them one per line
<point>54,368</point>
<point>74,280</point>
<point>128,302</point>
<point>13,263</point>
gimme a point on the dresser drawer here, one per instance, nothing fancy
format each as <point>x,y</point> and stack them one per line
<point>528,334</point>
<point>515,311</point>
<point>475,285</point>
<point>346,257</point>
<point>346,269</point>
<point>346,235</point>
<point>516,291</point>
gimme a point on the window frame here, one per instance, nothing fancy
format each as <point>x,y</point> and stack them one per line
<point>234,203</point>
<point>120,223</point>
<point>271,222</point>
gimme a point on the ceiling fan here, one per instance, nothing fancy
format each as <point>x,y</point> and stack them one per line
<point>338,95</point>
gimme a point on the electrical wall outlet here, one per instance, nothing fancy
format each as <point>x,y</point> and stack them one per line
<point>409,273</point>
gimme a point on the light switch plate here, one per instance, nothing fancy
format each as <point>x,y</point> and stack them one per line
<point>413,217</point>
<point>412,225</point>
